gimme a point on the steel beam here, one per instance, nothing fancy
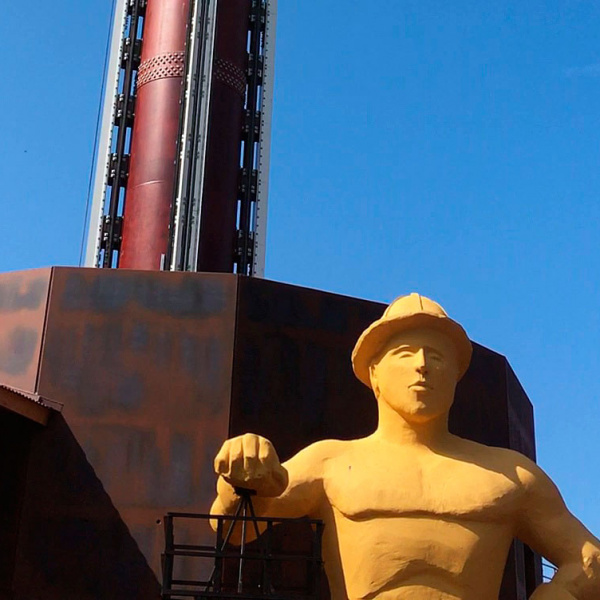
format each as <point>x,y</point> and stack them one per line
<point>187,205</point>
<point>264,147</point>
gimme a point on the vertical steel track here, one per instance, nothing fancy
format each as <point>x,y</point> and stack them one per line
<point>112,170</point>
<point>104,151</point>
<point>264,145</point>
<point>186,213</point>
<point>119,162</point>
<point>244,259</point>
<point>182,254</point>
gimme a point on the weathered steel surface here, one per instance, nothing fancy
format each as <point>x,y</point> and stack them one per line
<point>154,139</point>
<point>142,362</point>
<point>23,297</point>
<point>73,543</point>
<point>491,407</point>
<point>155,370</point>
<point>15,439</point>
<point>292,366</point>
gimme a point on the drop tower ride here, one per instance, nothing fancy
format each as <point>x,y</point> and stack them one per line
<point>181,179</point>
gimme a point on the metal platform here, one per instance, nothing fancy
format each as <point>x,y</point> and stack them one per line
<point>251,570</point>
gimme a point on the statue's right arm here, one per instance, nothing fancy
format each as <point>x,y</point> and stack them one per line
<point>289,490</point>
<point>551,530</point>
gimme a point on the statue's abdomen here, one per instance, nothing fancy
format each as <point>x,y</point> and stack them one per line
<point>393,557</point>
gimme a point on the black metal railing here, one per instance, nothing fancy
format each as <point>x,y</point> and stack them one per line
<point>255,568</point>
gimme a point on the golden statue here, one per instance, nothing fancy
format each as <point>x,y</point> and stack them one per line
<point>412,511</point>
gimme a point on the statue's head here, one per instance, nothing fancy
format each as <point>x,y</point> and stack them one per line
<point>413,357</point>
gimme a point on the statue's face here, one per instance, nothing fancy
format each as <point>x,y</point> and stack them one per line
<point>416,374</point>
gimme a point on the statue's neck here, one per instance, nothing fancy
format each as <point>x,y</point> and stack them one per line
<point>396,429</point>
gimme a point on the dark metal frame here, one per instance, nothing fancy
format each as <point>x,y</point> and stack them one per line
<point>214,587</point>
<point>248,187</point>
<point>247,195</point>
<point>187,176</point>
<point>112,221</point>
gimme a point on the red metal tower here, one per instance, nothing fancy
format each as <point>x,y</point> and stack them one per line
<point>151,177</point>
<point>182,175</point>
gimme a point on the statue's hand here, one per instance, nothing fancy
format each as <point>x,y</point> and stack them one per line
<point>250,461</point>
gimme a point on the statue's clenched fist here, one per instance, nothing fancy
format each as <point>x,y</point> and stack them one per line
<point>250,461</point>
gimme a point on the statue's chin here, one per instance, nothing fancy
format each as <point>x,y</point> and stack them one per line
<point>420,412</point>
<point>421,418</point>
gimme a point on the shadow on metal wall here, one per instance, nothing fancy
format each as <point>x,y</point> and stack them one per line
<point>73,544</point>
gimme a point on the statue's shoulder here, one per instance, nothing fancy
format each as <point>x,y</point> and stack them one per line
<point>330,449</point>
<point>508,462</point>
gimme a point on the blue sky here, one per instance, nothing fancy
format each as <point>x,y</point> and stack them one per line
<point>447,148</point>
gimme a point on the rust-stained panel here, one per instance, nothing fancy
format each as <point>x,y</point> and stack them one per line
<point>142,362</point>
<point>155,370</point>
<point>73,543</point>
<point>292,363</point>
<point>293,380</point>
<point>15,440</point>
<point>23,296</point>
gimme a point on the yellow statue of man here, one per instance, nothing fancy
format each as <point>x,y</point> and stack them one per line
<point>412,511</point>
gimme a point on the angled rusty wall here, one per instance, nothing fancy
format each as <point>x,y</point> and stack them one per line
<point>23,296</point>
<point>16,433</point>
<point>292,363</point>
<point>293,380</point>
<point>142,362</point>
<point>73,543</point>
<point>152,383</point>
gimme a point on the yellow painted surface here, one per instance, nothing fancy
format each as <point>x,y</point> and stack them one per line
<point>413,512</point>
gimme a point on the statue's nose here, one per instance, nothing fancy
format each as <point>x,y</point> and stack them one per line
<point>421,362</point>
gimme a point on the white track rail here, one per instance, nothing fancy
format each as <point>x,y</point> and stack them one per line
<point>264,149</point>
<point>188,210</point>
<point>111,94</point>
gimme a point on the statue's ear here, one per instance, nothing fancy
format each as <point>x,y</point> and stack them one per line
<point>373,378</point>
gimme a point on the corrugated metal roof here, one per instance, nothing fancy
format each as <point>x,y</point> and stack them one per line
<point>45,402</point>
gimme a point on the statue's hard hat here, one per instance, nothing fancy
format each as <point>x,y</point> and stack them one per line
<point>408,312</point>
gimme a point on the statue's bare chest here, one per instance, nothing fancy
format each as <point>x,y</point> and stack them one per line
<point>363,487</point>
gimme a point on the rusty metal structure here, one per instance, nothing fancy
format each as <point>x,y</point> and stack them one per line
<point>137,377</point>
<point>183,161</point>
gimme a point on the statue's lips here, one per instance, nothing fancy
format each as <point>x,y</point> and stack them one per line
<point>420,385</point>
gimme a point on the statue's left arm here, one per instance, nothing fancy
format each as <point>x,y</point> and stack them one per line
<point>547,526</point>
